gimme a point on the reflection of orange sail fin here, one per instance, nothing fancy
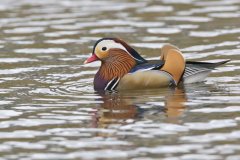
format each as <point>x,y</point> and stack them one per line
<point>175,103</point>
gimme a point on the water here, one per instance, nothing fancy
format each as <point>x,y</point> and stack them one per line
<point>49,109</point>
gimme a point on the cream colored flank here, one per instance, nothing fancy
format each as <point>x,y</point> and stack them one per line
<point>145,79</point>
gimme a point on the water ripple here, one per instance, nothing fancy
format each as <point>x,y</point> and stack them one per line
<point>24,30</point>
<point>214,33</point>
<point>157,8</point>
<point>213,137</point>
<point>16,60</point>
<point>8,113</point>
<point>49,109</point>
<point>164,30</point>
<point>40,50</point>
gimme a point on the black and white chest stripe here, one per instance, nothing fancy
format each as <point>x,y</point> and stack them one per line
<point>112,85</point>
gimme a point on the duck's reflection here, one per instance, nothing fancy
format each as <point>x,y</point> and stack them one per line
<point>121,108</point>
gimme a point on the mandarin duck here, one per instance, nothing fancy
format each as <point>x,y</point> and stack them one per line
<point>123,68</point>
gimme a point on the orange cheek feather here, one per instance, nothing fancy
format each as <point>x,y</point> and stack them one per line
<point>101,54</point>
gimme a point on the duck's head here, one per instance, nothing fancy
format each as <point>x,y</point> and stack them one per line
<point>106,48</point>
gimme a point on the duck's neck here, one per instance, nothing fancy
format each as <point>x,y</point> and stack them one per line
<point>115,67</point>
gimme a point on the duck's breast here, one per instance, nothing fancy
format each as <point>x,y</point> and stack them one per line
<point>145,79</point>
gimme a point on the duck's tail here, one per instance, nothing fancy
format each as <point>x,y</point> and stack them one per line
<point>198,71</point>
<point>209,65</point>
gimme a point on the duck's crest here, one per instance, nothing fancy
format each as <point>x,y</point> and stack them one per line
<point>132,51</point>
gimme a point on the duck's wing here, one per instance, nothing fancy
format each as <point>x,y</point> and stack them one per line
<point>165,49</point>
<point>174,64</point>
<point>149,65</point>
<point>198,71</point>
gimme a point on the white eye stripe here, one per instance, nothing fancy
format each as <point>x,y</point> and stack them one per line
<point>112,44</point>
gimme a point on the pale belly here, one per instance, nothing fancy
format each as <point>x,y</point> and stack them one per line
<point>145,80</point>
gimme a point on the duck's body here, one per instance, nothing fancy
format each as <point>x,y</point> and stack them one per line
<point>123,68</point>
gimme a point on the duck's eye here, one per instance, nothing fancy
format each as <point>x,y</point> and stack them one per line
<point>104,48</point>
